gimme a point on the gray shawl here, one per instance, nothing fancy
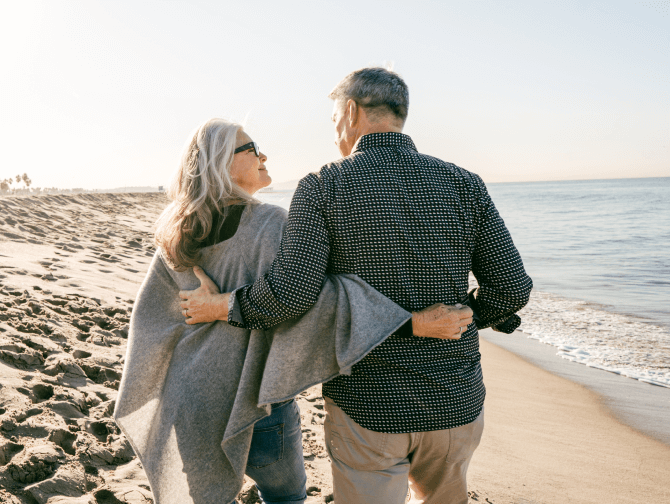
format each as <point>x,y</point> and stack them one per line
<point>190,395</point>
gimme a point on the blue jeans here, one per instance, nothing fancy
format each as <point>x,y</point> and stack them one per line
<point>275,460</point>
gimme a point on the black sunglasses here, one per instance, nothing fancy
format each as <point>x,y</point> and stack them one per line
<point>249,146</point>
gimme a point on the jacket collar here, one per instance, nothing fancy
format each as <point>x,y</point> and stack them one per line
<point>383,140</point>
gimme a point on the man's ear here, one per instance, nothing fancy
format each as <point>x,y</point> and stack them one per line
<point>353,109</point>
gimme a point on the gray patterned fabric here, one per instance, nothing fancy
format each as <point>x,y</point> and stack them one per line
<point>190,395</point>
<point>413,227</point>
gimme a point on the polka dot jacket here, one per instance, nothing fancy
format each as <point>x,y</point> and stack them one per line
<point>413,227</point>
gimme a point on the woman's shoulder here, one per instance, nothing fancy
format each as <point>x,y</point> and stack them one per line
<point>263,222</point>
<point>269,210</point>
<point>266,214</point>
<point>261,230</point>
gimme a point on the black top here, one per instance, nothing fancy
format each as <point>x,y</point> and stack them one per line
<point>222,231</point>
<point>412,226</point>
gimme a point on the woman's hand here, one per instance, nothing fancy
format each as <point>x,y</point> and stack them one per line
<point>442,321</point>
<point>206,303</point>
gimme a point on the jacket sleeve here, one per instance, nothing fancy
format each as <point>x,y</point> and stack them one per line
<point>504,286</point>
<point>295,278</point>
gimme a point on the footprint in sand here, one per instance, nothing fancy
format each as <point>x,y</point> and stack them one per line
<point>100,374</point>
<point>36,230</point>
<point>133,244</point>
<point>42,392</point>
<point>81,354</point>
<point>7,451</point>
<point>12,236</point>
<point>54,301</point>
<point>64,440</point>
<point>108,258</point>
<point>50,277</point>
<point>77,308</point>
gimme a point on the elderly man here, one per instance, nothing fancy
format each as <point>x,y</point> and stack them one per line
<point>413,227</point>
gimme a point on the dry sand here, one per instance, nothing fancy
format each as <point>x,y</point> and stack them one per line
<point>70,267</point>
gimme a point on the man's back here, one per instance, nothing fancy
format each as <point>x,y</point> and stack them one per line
<point>413,227</point>
<point>404,222</point>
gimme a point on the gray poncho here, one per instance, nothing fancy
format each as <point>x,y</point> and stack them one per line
<point>190,395</point>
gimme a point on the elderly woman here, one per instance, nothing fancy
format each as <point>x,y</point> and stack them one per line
<point>202,404</point>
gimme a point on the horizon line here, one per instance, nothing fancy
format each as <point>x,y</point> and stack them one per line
<point>156,187</point>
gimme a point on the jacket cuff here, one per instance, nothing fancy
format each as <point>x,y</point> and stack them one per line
<point>509,325</point>
<point>235,317</point>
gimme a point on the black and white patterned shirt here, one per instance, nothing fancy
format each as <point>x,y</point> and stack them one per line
<point>412,226</point>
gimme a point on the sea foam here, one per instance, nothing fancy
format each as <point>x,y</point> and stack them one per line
<point>587,333</point>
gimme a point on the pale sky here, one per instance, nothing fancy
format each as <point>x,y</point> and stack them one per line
<point>103,94</point>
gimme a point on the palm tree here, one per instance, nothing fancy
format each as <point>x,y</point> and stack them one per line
<point>26,180</point>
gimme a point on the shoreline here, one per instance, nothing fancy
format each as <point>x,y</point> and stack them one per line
<point>550,440</point>
<point>590,334</point>
<point>604,307</point>
<point>642,406</point>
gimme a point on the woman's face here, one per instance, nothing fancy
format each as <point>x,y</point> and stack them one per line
<point>248,171</point>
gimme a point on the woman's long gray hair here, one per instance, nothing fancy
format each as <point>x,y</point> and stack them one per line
<point>201,187</point>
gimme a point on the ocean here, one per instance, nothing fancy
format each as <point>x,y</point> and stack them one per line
<point>598,252</point>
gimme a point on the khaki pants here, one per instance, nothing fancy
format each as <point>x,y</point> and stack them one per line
<point>374,467</point>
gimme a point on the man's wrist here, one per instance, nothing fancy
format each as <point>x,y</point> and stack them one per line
<point>223,304</point>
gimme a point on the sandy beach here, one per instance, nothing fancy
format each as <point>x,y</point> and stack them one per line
<point>70,266</point>
<point>551,441</point>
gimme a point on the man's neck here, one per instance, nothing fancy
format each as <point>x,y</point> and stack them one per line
<point>381,128</point>
<point>377,128</point>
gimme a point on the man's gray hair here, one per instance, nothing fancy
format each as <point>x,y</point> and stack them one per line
<point>378,90</point>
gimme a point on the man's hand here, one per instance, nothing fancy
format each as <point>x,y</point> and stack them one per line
<point>442,321</point>
<point>206,303</point>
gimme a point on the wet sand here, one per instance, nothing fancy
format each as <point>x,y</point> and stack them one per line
<point>550,440</point>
